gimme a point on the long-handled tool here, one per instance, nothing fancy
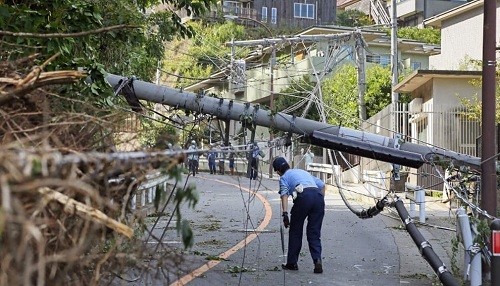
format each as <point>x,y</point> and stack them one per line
<point>282,233</point>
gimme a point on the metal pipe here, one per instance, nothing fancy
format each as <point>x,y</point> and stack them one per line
<point>473,272</point>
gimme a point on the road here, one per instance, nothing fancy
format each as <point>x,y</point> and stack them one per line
<point>374,251</point>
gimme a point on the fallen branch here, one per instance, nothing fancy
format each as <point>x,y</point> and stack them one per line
<point>68,35</point>
<point>71,205</point>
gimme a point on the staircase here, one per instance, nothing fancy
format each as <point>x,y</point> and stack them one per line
<point>379,12</point>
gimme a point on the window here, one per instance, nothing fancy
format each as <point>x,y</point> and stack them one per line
<point>274,15</point>
<point>384,60</point>
<point>415,65</point>
<point>303,10</point>
<point>264,14</point>
<point>232,7</point>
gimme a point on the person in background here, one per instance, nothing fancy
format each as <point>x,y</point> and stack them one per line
<point>193,158</point>
<point>212,155</point>
<point>222,157</point>
<point>254,163</point>
<point>308,194</point>
<point>231,159</point>
<point>308,157</point>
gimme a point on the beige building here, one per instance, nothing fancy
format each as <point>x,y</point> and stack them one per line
<point>436,116</point>
<point>461,35</point>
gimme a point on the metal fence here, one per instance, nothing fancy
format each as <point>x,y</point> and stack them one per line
<point>444,126</point>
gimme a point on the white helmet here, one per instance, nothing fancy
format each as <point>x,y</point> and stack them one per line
<point>193,142</point>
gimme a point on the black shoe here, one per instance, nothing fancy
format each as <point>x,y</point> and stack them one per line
<point>318,267</point>
<point>290,266</point>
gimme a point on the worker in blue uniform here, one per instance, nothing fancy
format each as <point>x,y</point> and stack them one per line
<point>308,194</point>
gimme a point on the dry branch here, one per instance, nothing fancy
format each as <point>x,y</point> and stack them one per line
<point>16,87</point>
<point>71,205</point>
<point>68,35</point>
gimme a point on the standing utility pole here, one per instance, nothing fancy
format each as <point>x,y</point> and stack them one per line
<point>394,51</point>
<point>271,103</point>
<point>360,64</point>
<point>488,150</point>
<point>394,67</point>
<point>488,129</point>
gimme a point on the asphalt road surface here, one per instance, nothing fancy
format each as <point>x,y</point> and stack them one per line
<point>237,241</point>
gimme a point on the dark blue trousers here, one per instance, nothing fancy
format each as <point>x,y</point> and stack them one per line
<point>309,204</point>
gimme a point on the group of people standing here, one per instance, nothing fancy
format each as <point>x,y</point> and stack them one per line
<point>213,156</point>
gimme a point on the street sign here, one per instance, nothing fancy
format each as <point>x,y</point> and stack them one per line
<point>495,242</point>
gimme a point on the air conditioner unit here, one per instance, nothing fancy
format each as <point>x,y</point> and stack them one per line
<point>415,105</point>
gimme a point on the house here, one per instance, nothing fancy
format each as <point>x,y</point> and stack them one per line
<point>414,12</point>
<point>283,14</point>
<point>249,79</point>
<point>408,12</point>
<point>435,115</point>
<point>461,35</point>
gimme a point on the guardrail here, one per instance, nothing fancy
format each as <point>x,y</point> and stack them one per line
<point>146,194</point>
<point>326,172</point>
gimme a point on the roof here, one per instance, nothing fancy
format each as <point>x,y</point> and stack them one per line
<point>437,20</point>
<point>372,37</point>
<point>344,3</point>
<point>420,77</point>
<point>375,37</point>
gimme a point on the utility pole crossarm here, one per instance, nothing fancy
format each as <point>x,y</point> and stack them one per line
<point>297,39</point>
<point>358,142</point>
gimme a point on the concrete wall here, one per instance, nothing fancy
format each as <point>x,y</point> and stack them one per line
<point>462,37</point>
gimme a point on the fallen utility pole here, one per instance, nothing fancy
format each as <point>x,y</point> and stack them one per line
<point>425,247</point>
<point>335,137</point>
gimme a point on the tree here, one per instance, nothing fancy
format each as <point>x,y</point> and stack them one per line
<point>353,18</point>
<point>474,105</point>
<point>191,60</point>
<point>340,94</point>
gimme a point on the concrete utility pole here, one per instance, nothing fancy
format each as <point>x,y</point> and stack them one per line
<point>272,62</point>
<point>360,64</point>
<point>272,43</point>
<point>488,150</point>
<point>394,68</point>
<point>488,129</point>
<point>394,51</point>
<point>359,142</point>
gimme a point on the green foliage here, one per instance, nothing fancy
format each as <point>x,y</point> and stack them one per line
<point>130,51</point>
<point>426,35</point>
<point>340,93</point>
<point>353,18</point>
<point>190,196</point>
<point>378,89</point>
<point>198,58</point>
<point>473,105</point>
<point>156,134</point>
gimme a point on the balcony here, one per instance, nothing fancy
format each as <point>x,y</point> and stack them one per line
<point>243,12</point>
<point>427,8</point>
<point>406,8</point>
